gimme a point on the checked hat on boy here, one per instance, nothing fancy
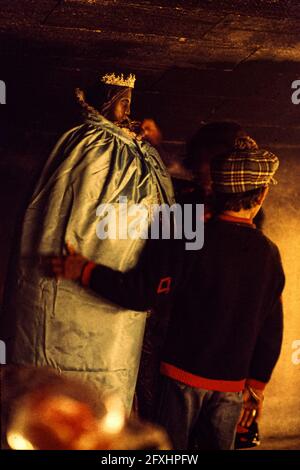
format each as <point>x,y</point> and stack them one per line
<point>246,168</point>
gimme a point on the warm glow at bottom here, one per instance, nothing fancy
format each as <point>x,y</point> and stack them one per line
<point>114,419</point>
<point>18,442</point>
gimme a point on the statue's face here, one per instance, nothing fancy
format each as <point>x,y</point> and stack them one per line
<point>121,108</point>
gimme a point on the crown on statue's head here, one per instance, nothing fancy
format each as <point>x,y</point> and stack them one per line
<point>119,80</point>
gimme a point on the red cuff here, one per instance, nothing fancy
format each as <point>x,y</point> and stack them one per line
<point>256,384</point>
<point>86,273</point>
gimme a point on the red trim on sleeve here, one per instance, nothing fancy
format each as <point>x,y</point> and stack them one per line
<point>86,273</point>
<point>256,384</point>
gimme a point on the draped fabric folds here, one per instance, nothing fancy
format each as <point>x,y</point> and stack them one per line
<point>59,323</point>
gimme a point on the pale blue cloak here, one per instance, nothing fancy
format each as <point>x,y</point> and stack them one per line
<point>59,323</point>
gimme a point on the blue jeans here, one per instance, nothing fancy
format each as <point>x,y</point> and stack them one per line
<point>198,419</point>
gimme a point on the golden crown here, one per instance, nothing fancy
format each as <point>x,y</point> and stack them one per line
<point>112,79</point>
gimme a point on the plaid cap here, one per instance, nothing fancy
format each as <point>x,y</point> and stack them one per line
<point>243,170</point>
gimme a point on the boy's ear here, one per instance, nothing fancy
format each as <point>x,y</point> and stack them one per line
<point>263,195</point>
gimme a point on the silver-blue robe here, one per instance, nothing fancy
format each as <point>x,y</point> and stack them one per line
<point>59,323</point>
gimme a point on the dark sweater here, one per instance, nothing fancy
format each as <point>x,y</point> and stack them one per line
<point>226,321</point>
